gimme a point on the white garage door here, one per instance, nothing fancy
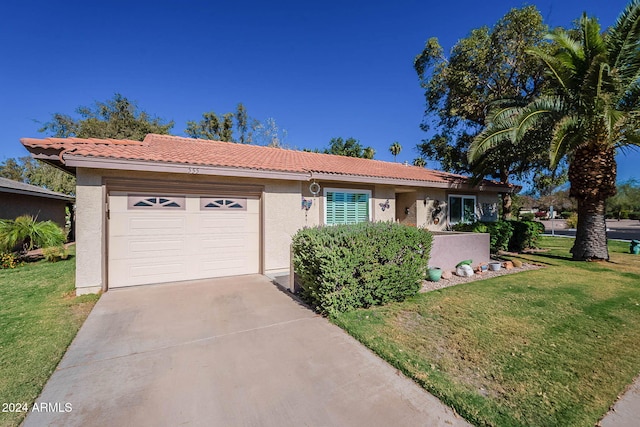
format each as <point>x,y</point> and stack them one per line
<point>155,238</point>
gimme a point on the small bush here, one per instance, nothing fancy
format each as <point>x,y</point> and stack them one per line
<point>25,231</point>
<point>634,215</point>
<point>345,267</point>
<point>8,260</point>
<point>55,253</point>
<point>572,221</point>
<point>566,214</point>
<point>500,233</point>
<point>527,217</point>
<point>541,214</point>
<point>525,235</point>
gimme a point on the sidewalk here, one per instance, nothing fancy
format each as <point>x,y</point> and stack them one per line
<point>626,411</point>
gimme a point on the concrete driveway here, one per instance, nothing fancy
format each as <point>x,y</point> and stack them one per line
<point>224,352</point>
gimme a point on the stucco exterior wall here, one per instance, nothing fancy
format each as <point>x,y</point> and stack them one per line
<point>380,195</point>
<point>283,217</point>
<point>44,209</point>
<point>281,206</point>
<point>90,232</point>
<point>428,213</point>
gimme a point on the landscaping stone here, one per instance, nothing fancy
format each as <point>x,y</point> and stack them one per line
<point>447,275</point>
<point>456,280</point>
<point>508,265</point>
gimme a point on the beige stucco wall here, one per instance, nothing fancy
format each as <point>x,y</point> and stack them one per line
<point>281,199</point>
<point>90,236</point>
<point>282,216</point>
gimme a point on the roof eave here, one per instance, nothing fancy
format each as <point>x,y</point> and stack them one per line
<point>37,194</point>
<point>76,161</point>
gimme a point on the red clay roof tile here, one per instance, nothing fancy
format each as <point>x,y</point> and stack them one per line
<point>173,149</point>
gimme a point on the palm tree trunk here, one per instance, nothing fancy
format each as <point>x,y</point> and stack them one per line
<point>591,233</point>
<point>592,173</point>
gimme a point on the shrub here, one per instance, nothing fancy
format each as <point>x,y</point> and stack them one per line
<point>541,214</point>
<point>634,215</point>
<point>25,231</point>
<point>572,221</point>
<point>566,214</point>
<point>527,217</point>
<point>55,253</point>
<point>8,260</point>
<point>499,231</point>
<point>525,235</point>
<point>350,266</point>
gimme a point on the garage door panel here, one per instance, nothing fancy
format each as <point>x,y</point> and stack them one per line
<point>128,272</point>
<point>122,247</point>
<point>163,245</point>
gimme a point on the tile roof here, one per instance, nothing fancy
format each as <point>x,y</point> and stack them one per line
<point>11,186</point>
<point>180,150</point>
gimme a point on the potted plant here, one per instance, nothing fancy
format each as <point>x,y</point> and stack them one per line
<point>434,274</point>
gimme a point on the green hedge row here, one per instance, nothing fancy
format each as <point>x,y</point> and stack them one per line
<point>345,267</point>
<point>507,235</point>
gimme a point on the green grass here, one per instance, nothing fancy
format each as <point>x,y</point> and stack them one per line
<point>39,316</point>
<point>548,347</point>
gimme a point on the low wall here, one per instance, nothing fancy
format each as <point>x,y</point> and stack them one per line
<point>449,248</point>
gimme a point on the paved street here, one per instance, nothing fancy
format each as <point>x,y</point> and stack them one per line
<point>624,229</point>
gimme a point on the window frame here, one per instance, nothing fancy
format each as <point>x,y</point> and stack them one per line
<point>368,193</point>
<point>462,198</point>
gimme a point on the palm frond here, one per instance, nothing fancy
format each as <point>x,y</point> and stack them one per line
<point>488,139</point>
<point>623,36</point>
<point>564,135</point>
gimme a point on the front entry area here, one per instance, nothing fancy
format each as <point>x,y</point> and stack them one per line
<point>166,237</point>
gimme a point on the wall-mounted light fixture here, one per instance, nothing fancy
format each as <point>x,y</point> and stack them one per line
<point>426,200</point>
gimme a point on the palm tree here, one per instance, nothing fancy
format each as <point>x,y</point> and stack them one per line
<point>395,149</point>
<point>368,153</point>
<point>420,162</point>
<point>594,108</point>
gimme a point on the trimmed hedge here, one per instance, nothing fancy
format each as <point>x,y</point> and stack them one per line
<point>507,235</point>
<point>525,235</point>
<point>344,267</point>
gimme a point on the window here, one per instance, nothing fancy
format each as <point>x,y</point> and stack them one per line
<point>346,206</point>
<point>155,202</point>
<point>222,203</point>
<point>462,209</point>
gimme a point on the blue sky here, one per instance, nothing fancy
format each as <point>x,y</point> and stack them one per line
<point>321,69</point>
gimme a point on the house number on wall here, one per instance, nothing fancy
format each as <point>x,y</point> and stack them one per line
<point>194,171</point>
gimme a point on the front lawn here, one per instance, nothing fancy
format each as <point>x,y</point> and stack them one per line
<point>39,316</point>
<point>548,347</point>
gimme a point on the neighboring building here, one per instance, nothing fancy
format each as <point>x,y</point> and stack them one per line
<point>18,198</point>
<point>172,208</point>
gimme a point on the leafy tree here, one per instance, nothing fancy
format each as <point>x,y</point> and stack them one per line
<point>116,118</point>
<point>12,169</point>
<point>242,124</point>
<point>594,107</point>
<point>368,153</point>
<point>350,147</point>
<point>212,126</point>
<point>627,199</point>
<point>420,162</point>
<point>488,67</point>
<point>395,149</point>
<point>35,172</point>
